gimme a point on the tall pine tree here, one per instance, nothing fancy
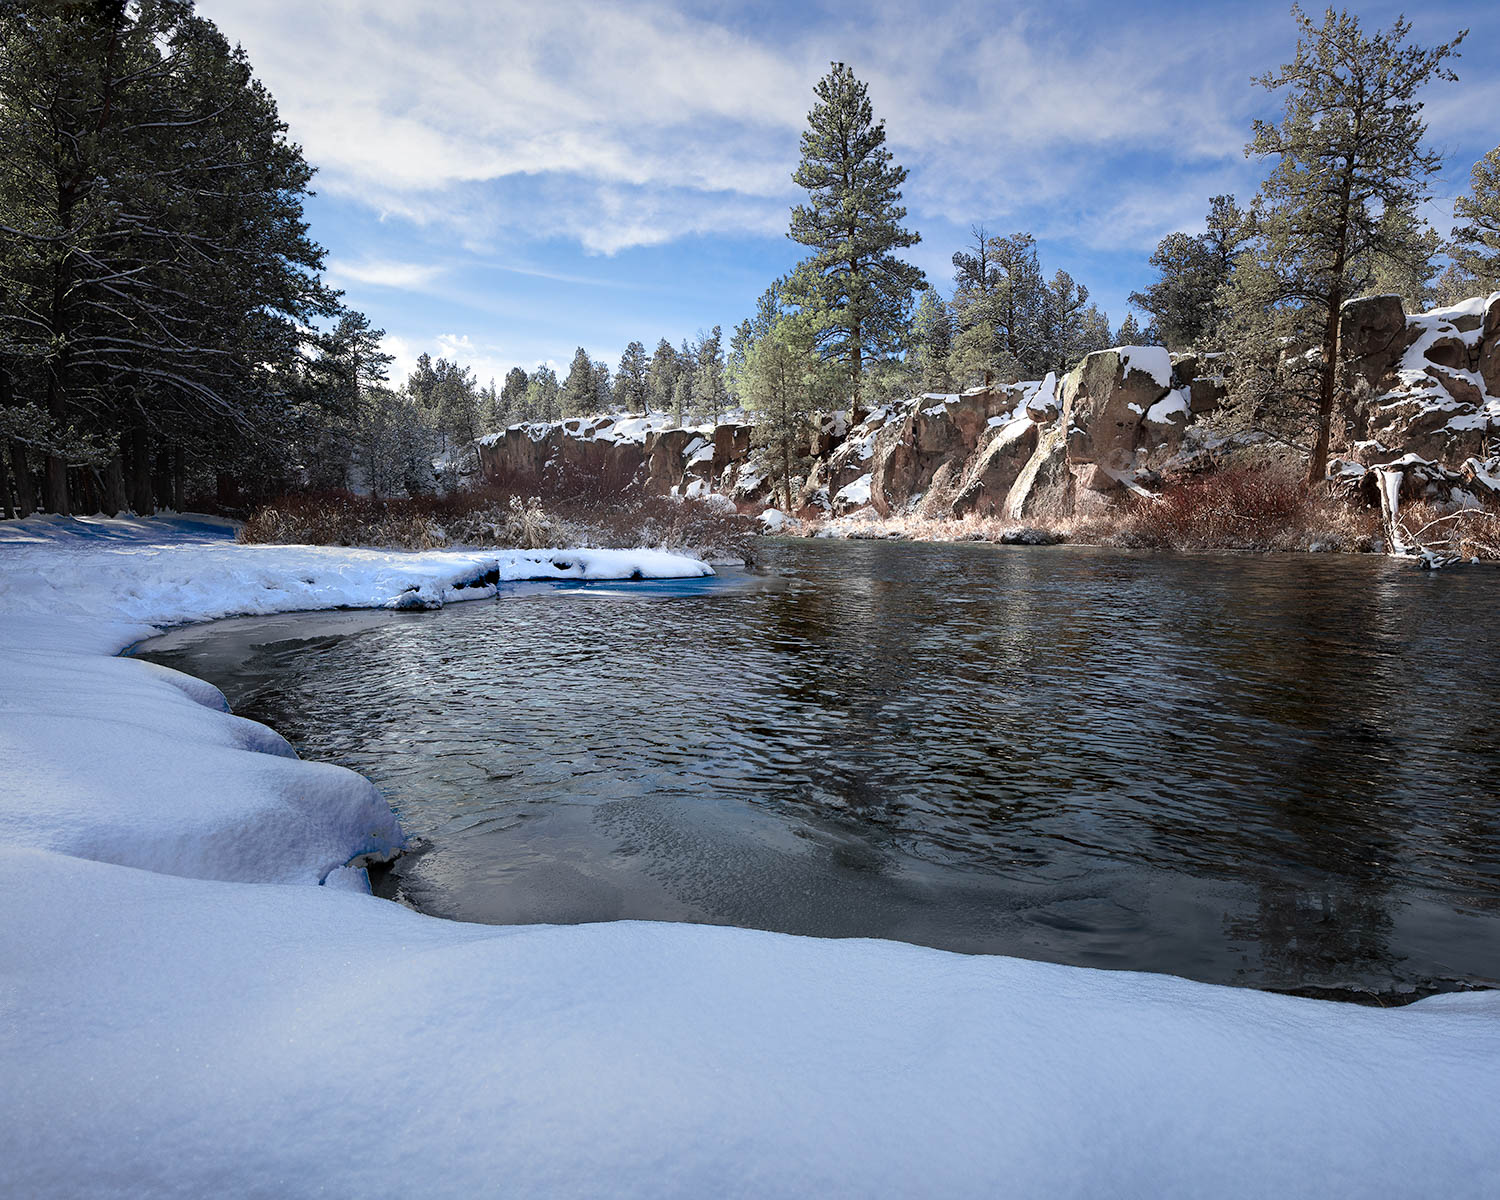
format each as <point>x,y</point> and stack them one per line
<point>1347,150</point>
<point>852,222</point>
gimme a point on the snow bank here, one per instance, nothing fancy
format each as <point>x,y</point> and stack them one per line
<point>296,1041</point>
<point>179,1030</point>
<point>166,572</point>
<point>125,762</point>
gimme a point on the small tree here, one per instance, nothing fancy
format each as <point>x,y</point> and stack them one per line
<point>785,381</point>
<point>978,280</point>
<point>513,395</point>
<point>932,338</point>
<point>661,377</point>
<point>1192,272</point>
<point>578,388</point>
<point>1476,243</point>
<point>710,395</point>
<point>630,379</point>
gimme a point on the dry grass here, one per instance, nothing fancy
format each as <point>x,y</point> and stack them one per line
<point>494,518</point>
<point>1265,508</point>
<point>1260,507</point>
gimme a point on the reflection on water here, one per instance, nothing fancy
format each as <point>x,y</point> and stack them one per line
<point>1275,771</point>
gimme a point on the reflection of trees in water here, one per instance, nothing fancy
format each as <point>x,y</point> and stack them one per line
<point>1328,938</point>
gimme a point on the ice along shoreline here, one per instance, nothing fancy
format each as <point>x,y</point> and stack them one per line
<point>157,852</point>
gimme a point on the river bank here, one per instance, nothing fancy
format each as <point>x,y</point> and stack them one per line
<point>187,1012</point>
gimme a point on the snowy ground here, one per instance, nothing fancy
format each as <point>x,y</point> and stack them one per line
<point>184,1012</point>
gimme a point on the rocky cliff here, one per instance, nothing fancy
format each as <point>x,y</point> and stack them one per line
<point>1426,404</point>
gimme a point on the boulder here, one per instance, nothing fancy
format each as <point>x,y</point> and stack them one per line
<point>989,476</point>
<point>1105,399</point>
<point>1489,347</point>
<point>1044,488</point>
<point>1373,333</point>
<point>666,463</point>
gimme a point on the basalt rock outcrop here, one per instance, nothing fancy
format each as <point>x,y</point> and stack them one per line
<point>611,454</point>
<point>1423,391</point>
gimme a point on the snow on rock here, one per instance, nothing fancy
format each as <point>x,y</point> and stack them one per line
<point>1155,361</point>
<point>1174,406</point>
<point>773,520</point>
<point>852,495</point>
<point>169,1028</point>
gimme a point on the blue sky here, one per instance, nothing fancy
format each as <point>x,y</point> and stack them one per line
<point>502,182</point>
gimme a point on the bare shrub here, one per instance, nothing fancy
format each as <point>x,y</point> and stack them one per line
<point>488,517</point>
<point>1463,533</point>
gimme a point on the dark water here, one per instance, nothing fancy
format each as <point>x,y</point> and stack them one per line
<point>1270,771</point>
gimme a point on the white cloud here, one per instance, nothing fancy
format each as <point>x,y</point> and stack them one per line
<point>620,125</point>
<point>409,276</point>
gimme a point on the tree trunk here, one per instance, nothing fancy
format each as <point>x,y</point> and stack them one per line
<point>1317,465</point>
<point>179,479</point>
<point>139,483</point>
<point>5,493</point>
<point>55,486</point>
<point>114,486</point>
<point>161,478</point>
<point>25,484</point>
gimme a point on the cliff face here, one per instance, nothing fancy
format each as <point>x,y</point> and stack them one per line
<point>1426,394</point>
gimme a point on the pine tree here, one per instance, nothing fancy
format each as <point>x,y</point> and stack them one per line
<point>682,399</point>
<point>513,395</point>
<point>1017,307</point>
<point>786,383</point>
<point>630,379</point>
<point>1131,333</point>
<point>1476,243</point>
<point>454,404</point>
<point>1186,301</point>
<point>604,390</point>
<point>710,396</point>
<point>661,377</point>
<point>1347,149</point>
<point>543,398</point>
<point>578,391</point>
<point>977,280</point>
<point>160,286</point>
<point>852,221</point>
<point>932,334</point>
<point>1068,329</point>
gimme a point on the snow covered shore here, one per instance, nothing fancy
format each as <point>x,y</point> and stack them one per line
<point>184,1012</point>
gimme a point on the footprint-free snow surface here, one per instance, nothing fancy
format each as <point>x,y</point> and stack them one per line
<point>184,1011</point>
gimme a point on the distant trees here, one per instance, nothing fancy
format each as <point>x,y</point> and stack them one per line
<point>512,396</point>
<point>1186,302</point>
<point>710,395</point>
<point>858,290</point>
<point>543,398</point>
<point>1347,151</point>
<point>1006,320</point>
<point>1476,242</point>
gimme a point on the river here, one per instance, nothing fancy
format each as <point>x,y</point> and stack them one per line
<point>1269,771</point>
